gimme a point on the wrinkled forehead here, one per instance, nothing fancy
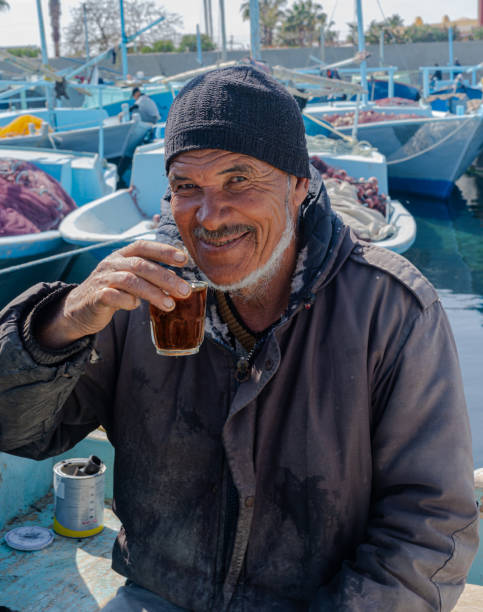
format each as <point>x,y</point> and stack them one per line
<point>219,161</point>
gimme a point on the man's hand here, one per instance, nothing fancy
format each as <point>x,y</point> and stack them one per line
<point>119,282</point>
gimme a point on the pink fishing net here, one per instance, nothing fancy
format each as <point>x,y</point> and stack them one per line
<point>31,201</point>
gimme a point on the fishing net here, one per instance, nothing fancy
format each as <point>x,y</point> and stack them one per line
<point>31,201</point>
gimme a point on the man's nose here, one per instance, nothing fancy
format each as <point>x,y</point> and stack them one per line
<point>213,210</point>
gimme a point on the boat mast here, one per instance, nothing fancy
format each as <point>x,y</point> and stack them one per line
<point>43,45</point>
<point>361,48</point>
<point>127,39</point>
<point>123,42</point>
<point>223,31</point>
<point>450,46</point>
<point>199,53</point>
<point>86,31</point>
<point>254,30</point>
<point>45,61</point>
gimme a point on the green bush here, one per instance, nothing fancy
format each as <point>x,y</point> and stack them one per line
<point>24,51</point>
<point>427,33</point>
<point>188,43</point>
<point>164,46</point>
<point>477,34</point>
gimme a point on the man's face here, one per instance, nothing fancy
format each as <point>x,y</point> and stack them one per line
<point>230,211</point>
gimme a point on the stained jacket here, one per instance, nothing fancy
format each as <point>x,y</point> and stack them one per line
<point>346,443</point>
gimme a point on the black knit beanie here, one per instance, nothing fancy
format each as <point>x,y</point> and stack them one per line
<point>242,110</point>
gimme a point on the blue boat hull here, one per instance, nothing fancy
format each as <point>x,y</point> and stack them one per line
<point>379,89</point>
<point>14,283</point>
<point>439,189</point>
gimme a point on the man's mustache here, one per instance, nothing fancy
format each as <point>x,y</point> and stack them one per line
<point>224,231</point>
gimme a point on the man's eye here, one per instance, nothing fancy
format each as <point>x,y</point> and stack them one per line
<point>184,186</point>
<point>238,179</point>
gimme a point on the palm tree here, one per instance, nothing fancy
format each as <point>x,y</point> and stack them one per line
<point>54,11</point>
<point>302,23</point>
<point>4,5</point>
<point>271,12</point>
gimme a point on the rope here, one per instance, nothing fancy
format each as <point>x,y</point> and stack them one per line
<point>327,126</point>
<point>57,256</point>
<point>434,146</point>
<point>244,337</point>
<point>332,14</point>
<point>402,159</point>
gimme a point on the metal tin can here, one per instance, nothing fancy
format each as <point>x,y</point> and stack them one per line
<point>79,499</point>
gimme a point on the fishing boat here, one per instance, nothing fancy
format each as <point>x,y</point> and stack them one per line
<point>426,150</point>
<point>84,177</point>
<point>127,213</point>
<point>83,130</point>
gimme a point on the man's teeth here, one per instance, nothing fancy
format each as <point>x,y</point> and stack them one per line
<point>222,242</point>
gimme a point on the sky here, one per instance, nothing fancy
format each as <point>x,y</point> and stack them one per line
<point>19,25</point>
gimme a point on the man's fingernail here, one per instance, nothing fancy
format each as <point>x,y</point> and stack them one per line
<point>183,288</point>
<point>168,302</point>
<point>179,256</point>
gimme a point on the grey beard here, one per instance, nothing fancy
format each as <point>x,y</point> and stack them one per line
<point>256,283</point>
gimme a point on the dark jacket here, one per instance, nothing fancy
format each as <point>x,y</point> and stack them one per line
<point>348,442</point>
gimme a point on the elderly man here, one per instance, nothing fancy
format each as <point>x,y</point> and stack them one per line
<point>315,454</point>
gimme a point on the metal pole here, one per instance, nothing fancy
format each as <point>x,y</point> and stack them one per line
<point>425,82</point>
<point>255,30</point>
<point>361,49</point>
<point>86,32</point>
<point>322,43</point>
<point>199,57</point>
<point>223,30</point>
<point>381,48</point>
<point>356,118</point>
<point>101,126</point>
<point>205,11</point>
<point>210,19</point>
<point>450,43</point>
<point>43,45</point>
<point>123,42</point>
<point>390,87</point>
<point>45,60</point>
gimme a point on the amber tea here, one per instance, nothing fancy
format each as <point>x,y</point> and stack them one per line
<point>180,332</point>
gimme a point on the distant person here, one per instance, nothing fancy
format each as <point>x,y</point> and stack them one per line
<point>333,74</point>
<point>144,106</point>
<point>438,75</point>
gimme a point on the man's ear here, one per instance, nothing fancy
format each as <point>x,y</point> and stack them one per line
<point>301,187</point>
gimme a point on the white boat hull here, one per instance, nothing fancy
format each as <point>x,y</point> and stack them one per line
<point>127,214</point>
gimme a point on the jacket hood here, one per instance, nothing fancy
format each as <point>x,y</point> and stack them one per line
<point>323,246</point>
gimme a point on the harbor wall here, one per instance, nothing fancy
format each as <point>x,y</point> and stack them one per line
<point>405,57</point>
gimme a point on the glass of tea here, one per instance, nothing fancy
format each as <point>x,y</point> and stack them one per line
<point>180,331</point>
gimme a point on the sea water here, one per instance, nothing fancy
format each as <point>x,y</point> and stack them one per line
<point>449,252</point>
